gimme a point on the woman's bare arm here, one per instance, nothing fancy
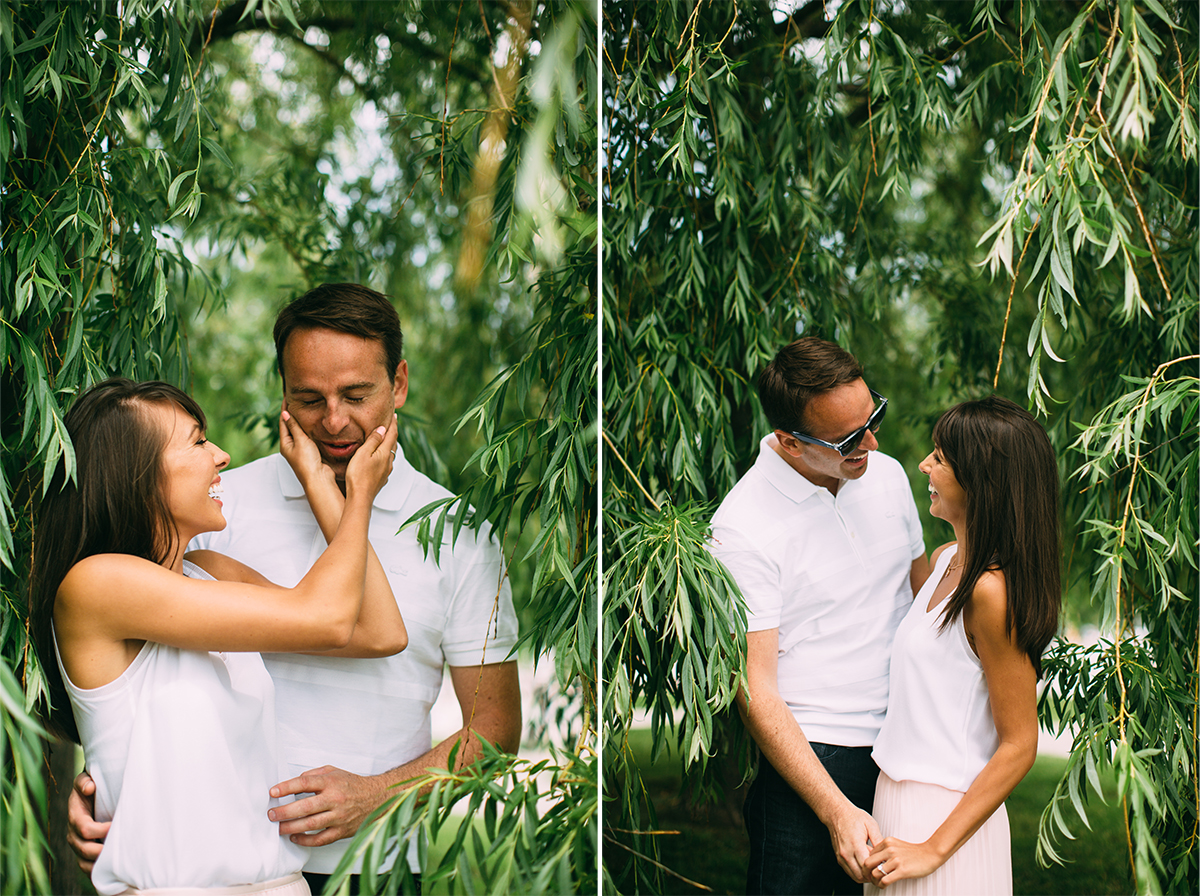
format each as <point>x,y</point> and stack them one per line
<point>109,603</point>
<point>1012,691</point>
<point>379,629</point>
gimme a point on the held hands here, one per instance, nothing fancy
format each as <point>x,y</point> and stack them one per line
<point>337,803</point>
<point>894,860</point>
<point>372,462</point>
<point>852,833</point>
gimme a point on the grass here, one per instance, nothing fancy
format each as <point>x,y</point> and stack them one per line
<point>1096,861</point>
<point>711,846</point>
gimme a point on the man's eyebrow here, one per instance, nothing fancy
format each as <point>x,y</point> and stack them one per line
<point>843,438</point>
<point>350,388</point>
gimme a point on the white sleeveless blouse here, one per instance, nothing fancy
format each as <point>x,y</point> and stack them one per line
<point>939,727</point>
<point>182,749</point>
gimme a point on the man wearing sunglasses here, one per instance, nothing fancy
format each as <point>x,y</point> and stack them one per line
<point>823,539</point>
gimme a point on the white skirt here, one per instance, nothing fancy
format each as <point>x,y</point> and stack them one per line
<point>292,885</point>
<point>912,811</point>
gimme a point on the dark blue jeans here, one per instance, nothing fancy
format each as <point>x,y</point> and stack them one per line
<point>790,850</point>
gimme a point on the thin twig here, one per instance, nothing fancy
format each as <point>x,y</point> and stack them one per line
<point>1108,55</point>
<point>1049,83</point>
<point>446,99</point>
<point>1116,470</point>
<point>1123,710</point>
<point>1137,207</point>
<point>87,143</point>
<point>207,40</point>
<point>1182,138</point>
<point>646,833</point>
<point>870,130</point>
<point>795,261</point>
<point>659,865</point>
<point>629,471</point>
<point>962,47</point>
<point>1021,172</point>
<point>733,21</point>
<point>1008,310</point>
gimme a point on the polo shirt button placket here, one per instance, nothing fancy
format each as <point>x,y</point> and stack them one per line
<point>851,534</point>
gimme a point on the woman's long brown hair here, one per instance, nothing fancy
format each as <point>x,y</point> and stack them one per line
<point>1002,458</point>
<point>116,504</point>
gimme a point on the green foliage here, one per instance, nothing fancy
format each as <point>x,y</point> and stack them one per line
<point>777,171</point>
<point>538,473</point>
<point>537,818</point>
<point>1131,702</point>
<point>103,129</point>
<point>663,574</point>
<point>22,793</point>
<point>674,638</point>
<point>175,172</point>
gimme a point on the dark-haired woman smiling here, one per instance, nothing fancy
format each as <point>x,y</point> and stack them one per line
<point>961,727</point>
<point>149,654</point>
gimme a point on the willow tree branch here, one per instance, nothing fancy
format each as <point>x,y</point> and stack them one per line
<point>614,450</point>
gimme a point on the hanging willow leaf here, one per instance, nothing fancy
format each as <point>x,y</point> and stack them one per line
<point>847,173</point>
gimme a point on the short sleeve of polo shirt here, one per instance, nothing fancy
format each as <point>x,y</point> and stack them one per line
<point>757,576</point>
<point>481,626</point>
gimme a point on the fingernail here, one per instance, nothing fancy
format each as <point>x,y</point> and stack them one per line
<point>271,814</point>
<point>381,430</point>
<point>287,416</point>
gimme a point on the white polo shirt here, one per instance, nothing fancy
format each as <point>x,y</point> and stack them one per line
<point>832,574</point>
<point>367,715</point>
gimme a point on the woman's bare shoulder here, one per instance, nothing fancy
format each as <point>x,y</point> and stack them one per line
<point>100,571</point>
<point>937,552</point>
<point>987,608</point>
<point>991,589</point>
<point>225,568</point>
<point>104,586</point>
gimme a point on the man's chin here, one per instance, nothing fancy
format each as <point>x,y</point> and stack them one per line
<point>337,464</point>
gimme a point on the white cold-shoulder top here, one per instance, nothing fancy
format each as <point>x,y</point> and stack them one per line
<point>939,727</point>
<point>182,749</point>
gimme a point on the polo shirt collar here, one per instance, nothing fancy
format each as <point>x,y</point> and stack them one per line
<point>391,497</point>
<point>784,477</point>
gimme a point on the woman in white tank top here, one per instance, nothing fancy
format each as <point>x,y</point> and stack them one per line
<point>151,658</point>
<point>961,728</point>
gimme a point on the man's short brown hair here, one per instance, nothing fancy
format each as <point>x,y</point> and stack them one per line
<point>799,372</point>
<point>346,308</point>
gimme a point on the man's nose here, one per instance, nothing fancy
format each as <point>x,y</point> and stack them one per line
<point>336,417</point>
<point>869,442</point>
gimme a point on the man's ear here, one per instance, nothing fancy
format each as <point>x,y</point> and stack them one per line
<point>400,384</point>
<point>789,443</point>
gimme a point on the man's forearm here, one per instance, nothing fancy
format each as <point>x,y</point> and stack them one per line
<point>489,698</point>
<point>851,829</point>
<point>438,757</point>
<point>785,746</point>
